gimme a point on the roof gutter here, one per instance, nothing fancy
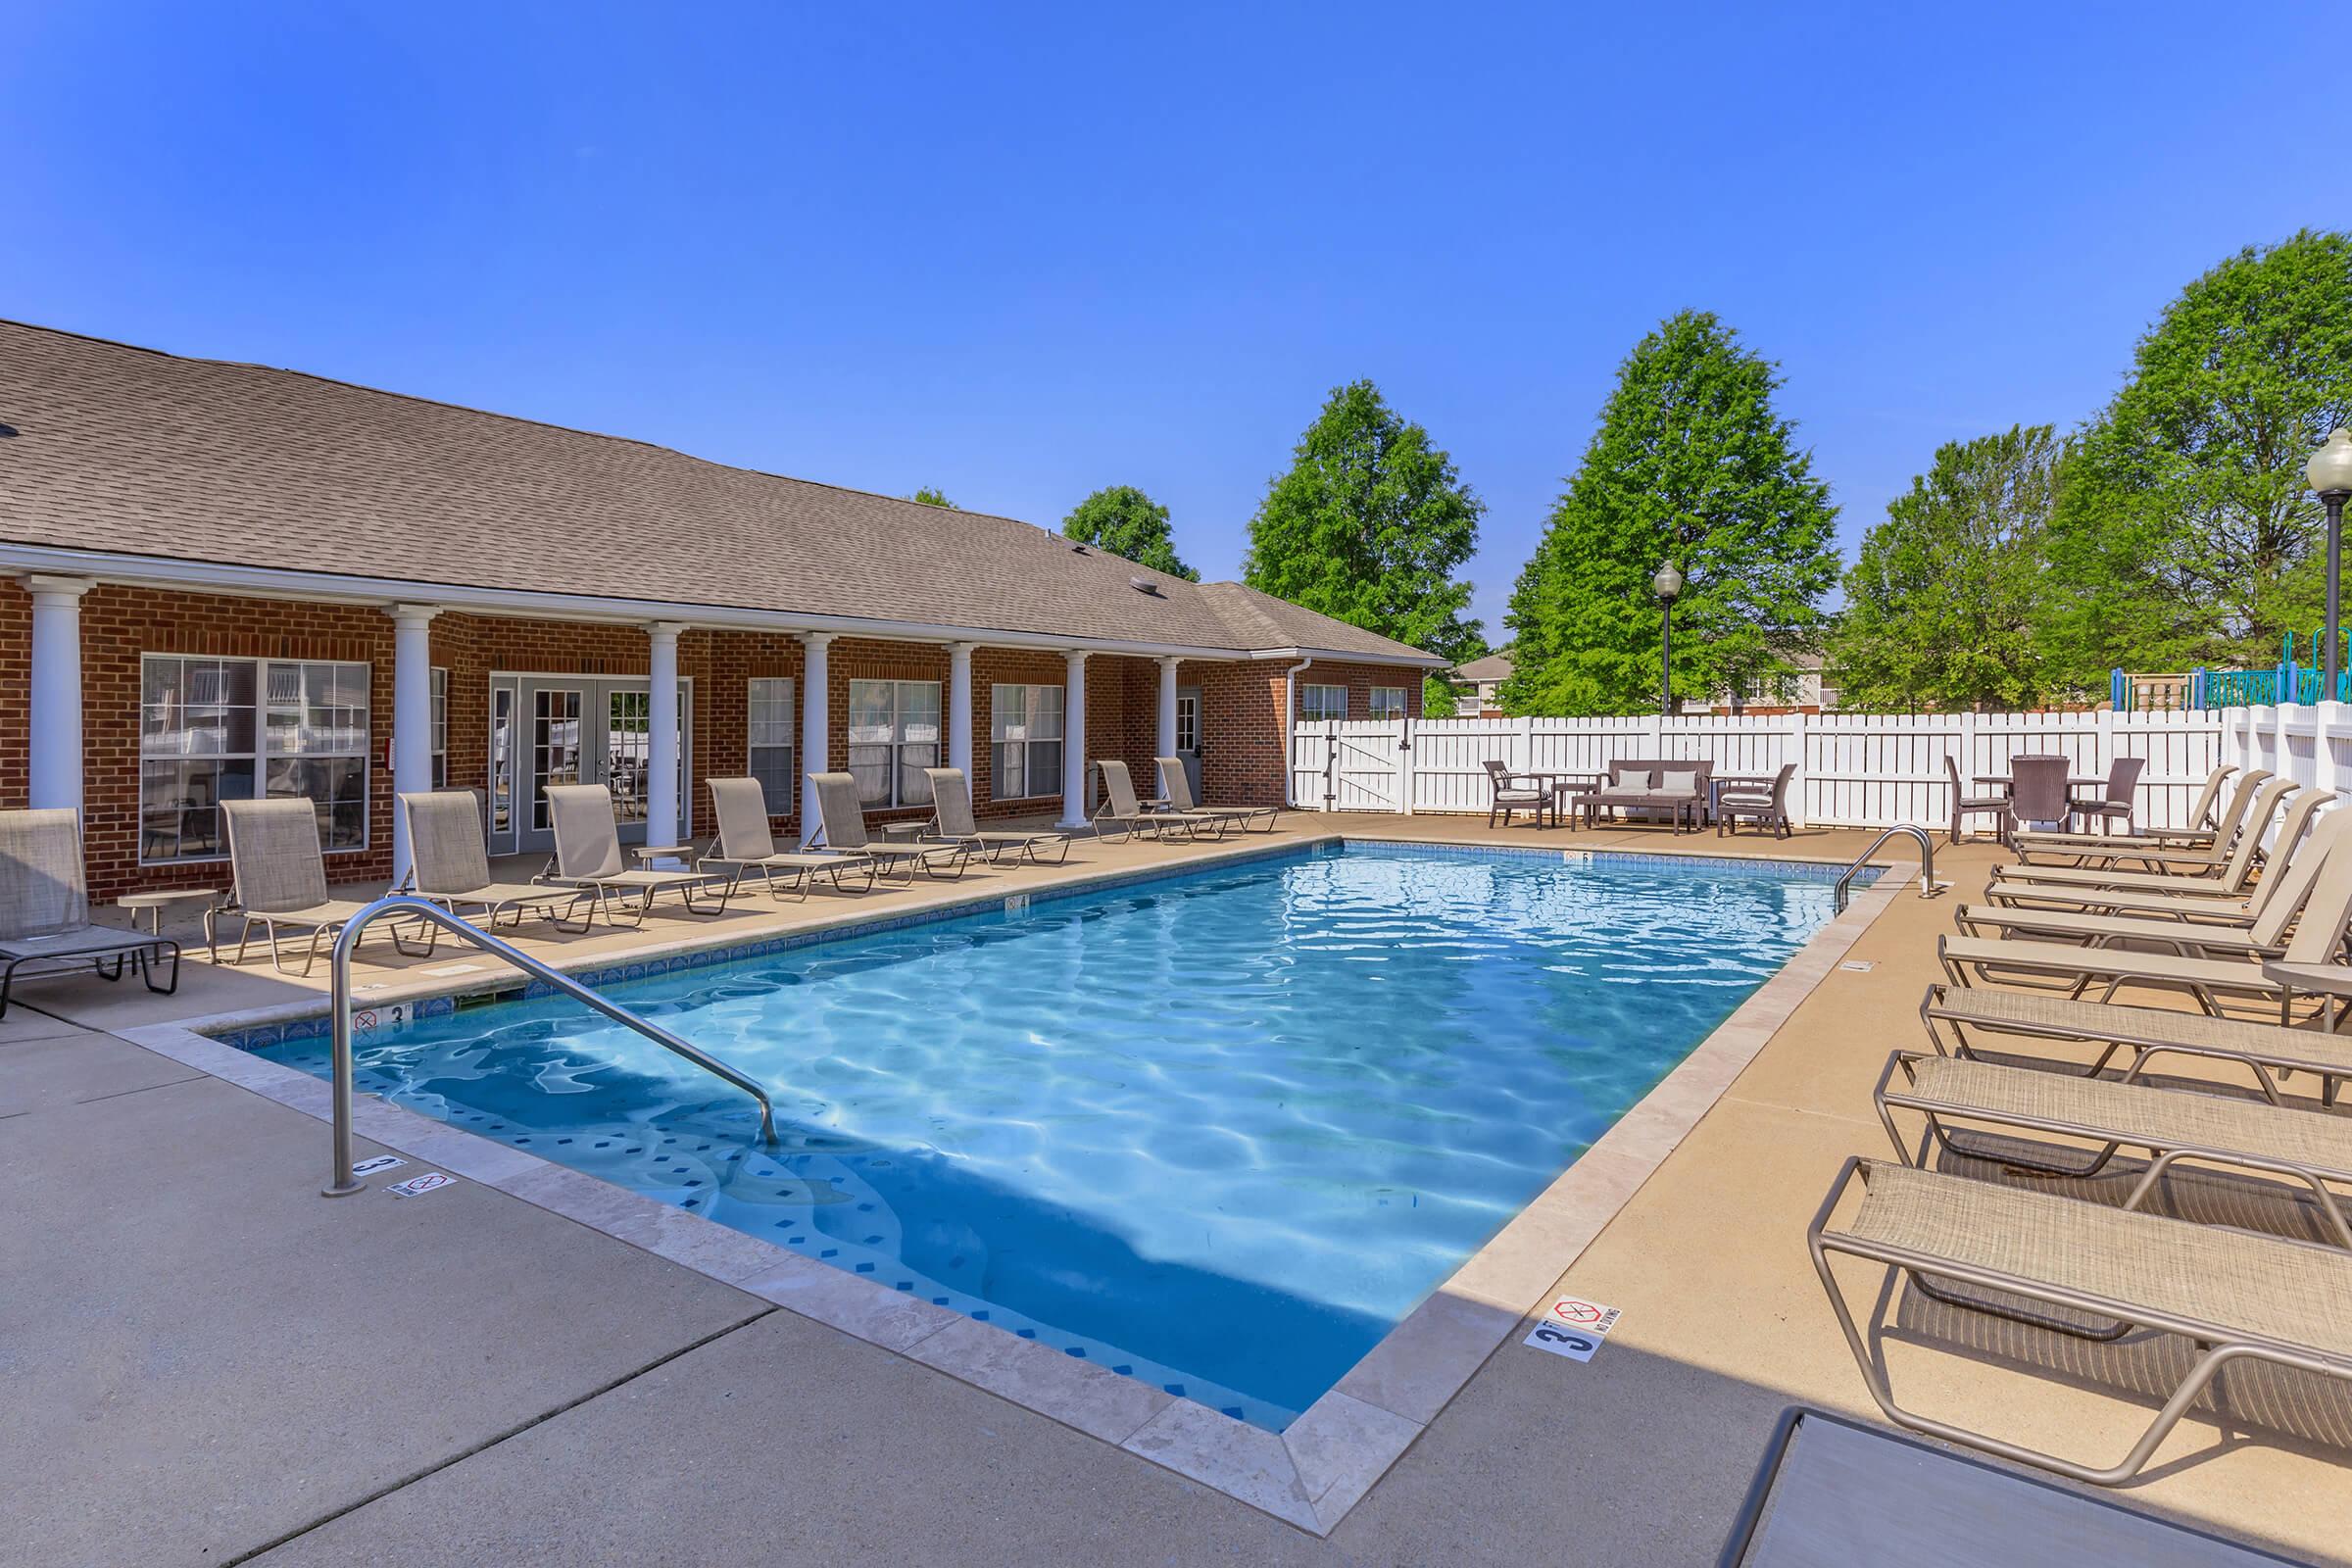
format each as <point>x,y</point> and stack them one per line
<point>1290,726</point>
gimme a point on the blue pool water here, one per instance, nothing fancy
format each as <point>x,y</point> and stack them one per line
<point>1219,1132</point>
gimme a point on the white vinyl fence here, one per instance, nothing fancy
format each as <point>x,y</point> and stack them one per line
<point>1852,769</point>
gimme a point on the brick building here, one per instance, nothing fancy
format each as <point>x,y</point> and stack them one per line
<point>222,580</point>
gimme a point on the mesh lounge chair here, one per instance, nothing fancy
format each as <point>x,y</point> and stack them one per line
<point>746,845</point>
<point>2245,811</point>
<point>844,830</point>
<point>952,822</point>
<point>449,864</point>
<point>1176,787</point>
<point>45,908</point>
<point>279,877</point>
<point>2235,1296</point>
<point>588,858</point>
<point>1965,806</point>
<point>2230,878</point>
<point>1122,810</point>
<point>1769,806</point>
<point>2201,820</point>
<point>1509,797</point>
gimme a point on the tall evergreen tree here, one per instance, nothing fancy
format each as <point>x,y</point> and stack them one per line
<point>2184,532</point>
<point>1125,521</point>
<point>1690,464</point>
<point>1369,527</point>
<point>1939,604</point>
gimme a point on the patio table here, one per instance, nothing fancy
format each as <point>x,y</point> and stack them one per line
<point>2074,782</point>
<point>1558,783</point>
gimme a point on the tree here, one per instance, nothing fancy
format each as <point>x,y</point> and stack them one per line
<point>1690,464</point>
<point>1941,603</point>
<point>1368,526</point>
<point>2184,532</point>
<point>930,496</point>
<point>1127,523</point>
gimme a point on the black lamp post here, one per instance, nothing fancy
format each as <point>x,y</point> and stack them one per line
<point>2329,471</point>
<point>1666,584</point>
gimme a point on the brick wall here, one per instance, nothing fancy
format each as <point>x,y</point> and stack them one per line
<point>16,684</point>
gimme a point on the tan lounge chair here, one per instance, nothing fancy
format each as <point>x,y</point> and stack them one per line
<point>2031,885</point>
<point>449,864</point>
<point>2201,829</point>
<point>953,823</point>
<point>279,876</point>
<point>2074,849</point>
<point>746,844</point>
<point>45,908</point>
<point>1176,787</point>
<point>842,819</point>
<point>1120,808</point>
<point>2235,1296</point>
<point>2230,876</point>
<point>588,856</point>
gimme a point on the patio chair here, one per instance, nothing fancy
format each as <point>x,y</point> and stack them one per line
<point>746,845</point>
<point>2039,792</point>
<point>2234,1296</point>
<point>1769,807</point>
<point>842,818</point>
<point>2230,876</point>
<point>953,823</point>
<point>449,864</point>
<point>2201,819</point>
<point>1176,787</point>
<point>588,857</point>
<point>2119,803</point>
<point>1508,797</point>
<point>1120,808</point>
<point>278,877</point>
<point>2312,1148</point>
<point>45,908</point>
<point>2078,849</point>
<point>1964,805</point>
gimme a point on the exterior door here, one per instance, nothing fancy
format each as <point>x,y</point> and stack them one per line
<point>580,730</point>
<point>1188,736</point>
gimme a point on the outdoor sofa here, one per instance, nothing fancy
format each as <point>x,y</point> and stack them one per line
<point>1676,789</point>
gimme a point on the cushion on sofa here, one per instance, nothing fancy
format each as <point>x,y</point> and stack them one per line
<point>1679,782</point>
<point>1630,780</point>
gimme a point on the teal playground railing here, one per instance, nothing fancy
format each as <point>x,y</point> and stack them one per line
<point>2290,680</point>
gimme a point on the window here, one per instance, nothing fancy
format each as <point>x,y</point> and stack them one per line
<point>502,758</point>
<point>1188,721</point>
<point>555,747</point>
<point>769,740</point>
<point>893,735</point>
<point>1318,703</point>
<point>1388,701</point>
<point>440,729</point>
<point>1025,724</point>
<point>241,729</point>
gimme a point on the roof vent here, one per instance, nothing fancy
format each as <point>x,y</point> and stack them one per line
<point>1080,550</point>
<point>1144,585</point>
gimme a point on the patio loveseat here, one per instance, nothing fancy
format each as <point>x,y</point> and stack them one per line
<point>1676,790</point>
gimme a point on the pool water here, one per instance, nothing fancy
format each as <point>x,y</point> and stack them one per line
<point>1220,1132</point>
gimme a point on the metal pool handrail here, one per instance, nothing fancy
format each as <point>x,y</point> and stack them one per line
<point>408,906</point>
<point>1926,865</point>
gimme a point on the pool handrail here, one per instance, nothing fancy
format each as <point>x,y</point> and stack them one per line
<point>1926,865</point>
<point>408,906</point>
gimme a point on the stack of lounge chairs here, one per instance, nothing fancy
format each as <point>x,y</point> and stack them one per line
<point>2226,943</point>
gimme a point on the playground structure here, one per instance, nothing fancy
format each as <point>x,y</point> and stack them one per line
<point>2290,680</point>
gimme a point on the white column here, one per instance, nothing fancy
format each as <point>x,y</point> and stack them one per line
<point>412,717</point>
<point>1073,744</point>
<point>816,728</point>
<point>662,824</point>
<point>1167,706</point>
<point>55,701</point>
<point>959,708</point>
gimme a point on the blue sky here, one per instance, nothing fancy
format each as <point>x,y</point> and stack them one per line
<point>1022,254</point>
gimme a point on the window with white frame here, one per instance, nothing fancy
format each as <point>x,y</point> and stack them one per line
<point>440,728</point>
<point>893,735</point>
<point>1319,703</point>
<point>1188,721</point>
<point>1025,726</point>
<point>1388,701</point>
<point>770,742</point>
<point>241,729</point>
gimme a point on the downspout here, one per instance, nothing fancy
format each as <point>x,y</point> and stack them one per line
<point>1290,726</point>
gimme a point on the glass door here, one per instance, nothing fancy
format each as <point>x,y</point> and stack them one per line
<point>577,730</point>
<point>1188,736</point>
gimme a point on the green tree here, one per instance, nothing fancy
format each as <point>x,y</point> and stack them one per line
<point>1690,464</point>
<point>2184,532</point>
<point>1939,604</point>
<point>1127,523</point>
<point>1369,527</point>
<point>930,496</point>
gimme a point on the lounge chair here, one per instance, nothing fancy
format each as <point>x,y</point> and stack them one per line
<point>1120,808</point>
<point>449,863</point>
<point>1964,805</point>
<point>953,823</point>
<point>2312,1148</point>
<point>280,880</point>
<point>2245,811</point>
<point>1509,797</point>
<point>588,858</point>
<point>842,819</point>
<point>2235,1296</point>
<point>45,908</point>
<point>1176,787</point>
<point>2201,819</point>
<point>1768,805</point>
<point>746,845</point>
<point>2230,876</point>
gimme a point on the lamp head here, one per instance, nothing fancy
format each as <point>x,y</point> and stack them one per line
<point>1668,582</point>
<point>2330,469</point>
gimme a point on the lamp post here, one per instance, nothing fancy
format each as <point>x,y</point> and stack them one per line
<point>2329,471</point>
<point>1666,584</point>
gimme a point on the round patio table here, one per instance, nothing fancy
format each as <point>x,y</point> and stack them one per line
<point>2074,782</point>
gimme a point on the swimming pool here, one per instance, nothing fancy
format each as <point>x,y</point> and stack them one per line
<point>1219,1131</point>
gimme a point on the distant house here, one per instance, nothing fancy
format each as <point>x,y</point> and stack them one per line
<point>1811,690</point>
<point>1484,679</point>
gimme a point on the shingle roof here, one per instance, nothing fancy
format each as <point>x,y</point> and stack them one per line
<point>128,450</point>
<point>1494,667</point>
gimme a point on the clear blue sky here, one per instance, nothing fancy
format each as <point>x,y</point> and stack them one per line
<point>1023,254</point>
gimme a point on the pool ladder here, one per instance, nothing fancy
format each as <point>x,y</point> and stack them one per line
<point>406,906</point>
<point>1926,865</point>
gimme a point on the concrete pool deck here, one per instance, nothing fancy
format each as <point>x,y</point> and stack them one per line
<point>223,1367</point>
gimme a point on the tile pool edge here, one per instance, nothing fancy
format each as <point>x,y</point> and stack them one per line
<point>1311,1474</point>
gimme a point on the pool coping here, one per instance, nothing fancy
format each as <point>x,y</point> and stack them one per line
<point>1309,1475</point>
